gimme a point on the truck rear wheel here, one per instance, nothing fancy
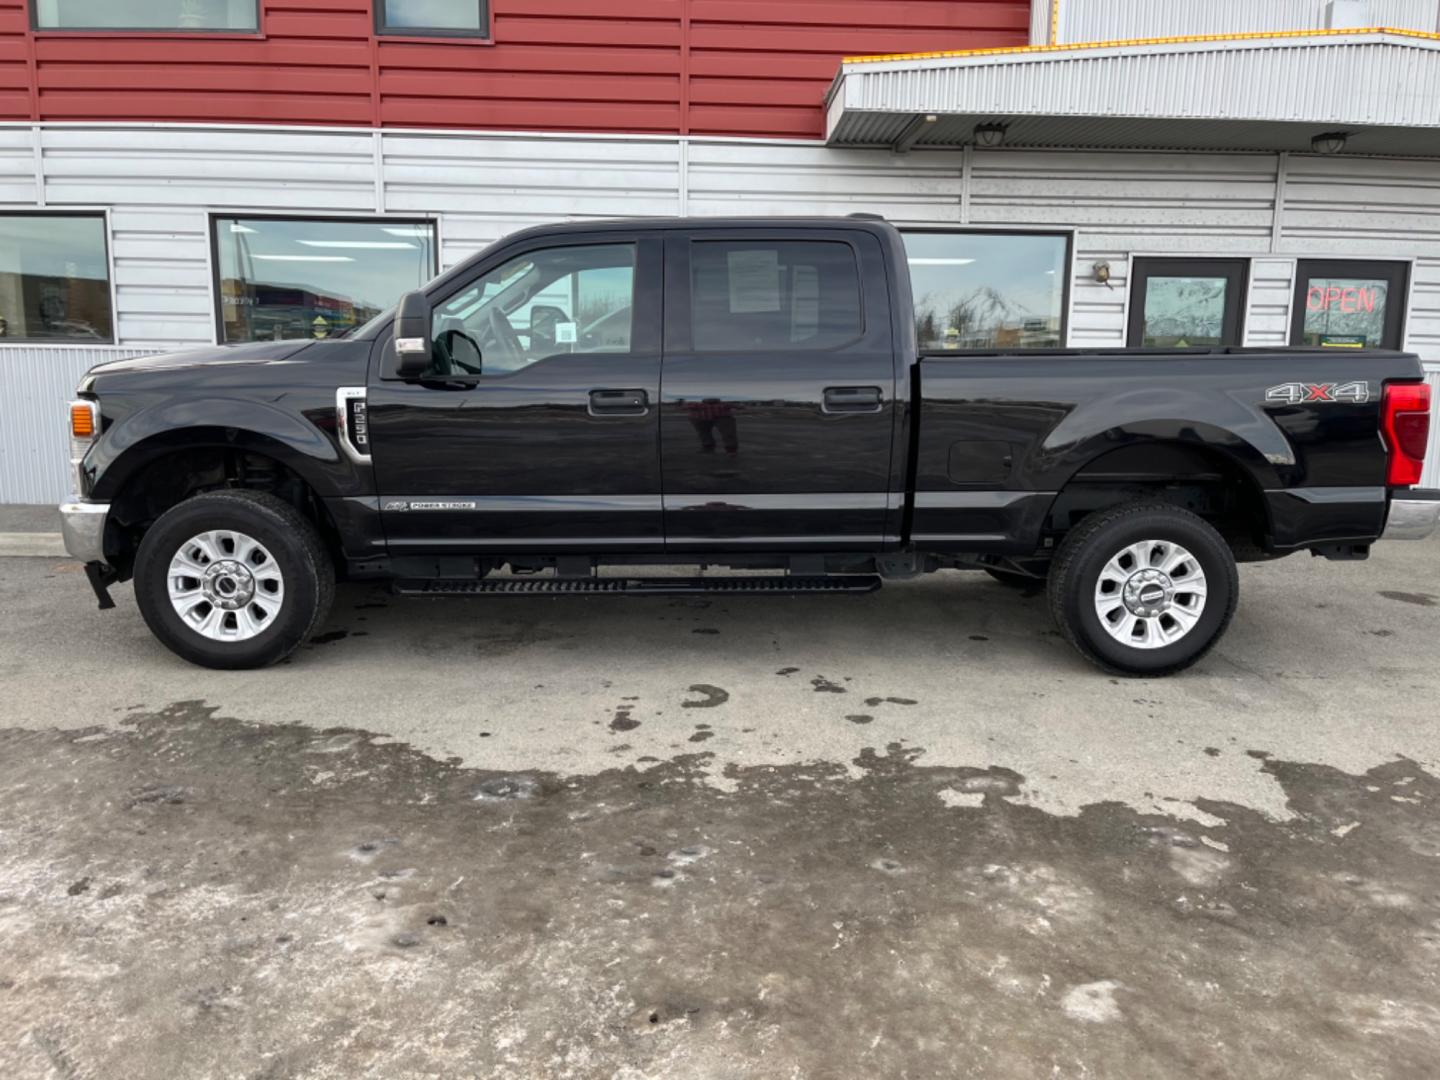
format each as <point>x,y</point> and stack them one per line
<point>1144,588</point>
<point>233,579</point>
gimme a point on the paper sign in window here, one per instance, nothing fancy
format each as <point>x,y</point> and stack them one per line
<point>754,281</point>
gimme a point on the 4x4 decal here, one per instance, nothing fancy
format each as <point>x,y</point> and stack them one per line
<point>1297,393</point>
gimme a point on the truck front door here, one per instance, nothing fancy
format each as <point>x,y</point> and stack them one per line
<point>536,427</point>
<point>779,410</point>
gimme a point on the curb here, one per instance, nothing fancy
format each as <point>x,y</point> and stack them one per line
<point>33,544</point>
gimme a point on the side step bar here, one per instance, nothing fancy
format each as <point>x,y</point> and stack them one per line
<point>846,583</point>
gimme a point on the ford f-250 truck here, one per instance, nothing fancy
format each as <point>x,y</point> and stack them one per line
<point>732,393</point>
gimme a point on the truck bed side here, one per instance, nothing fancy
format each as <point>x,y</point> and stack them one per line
<point>1006,440</point>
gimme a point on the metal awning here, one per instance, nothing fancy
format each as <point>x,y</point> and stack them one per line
<point>1380,88</point>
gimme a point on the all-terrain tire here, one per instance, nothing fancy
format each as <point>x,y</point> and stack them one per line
<point>1100,539</point>
<point>288,547</point>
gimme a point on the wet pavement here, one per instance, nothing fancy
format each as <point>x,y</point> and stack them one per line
<point>907,835</point>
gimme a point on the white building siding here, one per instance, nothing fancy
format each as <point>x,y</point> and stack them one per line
<point>1112,20</point>
<point>160,184</point>
<point>35,384</point>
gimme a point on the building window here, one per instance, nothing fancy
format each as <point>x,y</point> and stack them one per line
<point>280,278</point>
<point>54,278</point>
<point>1344,303</point>
<point>180,15</point>
<point>773,295</point>
<point>448,18</point>
<point>988,290</point>
<point>1187,303</point>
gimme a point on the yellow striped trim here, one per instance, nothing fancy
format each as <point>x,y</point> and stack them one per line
<point>1054,22</point>
<point>1256,35</point>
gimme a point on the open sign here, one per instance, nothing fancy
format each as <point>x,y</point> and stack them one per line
<point>1354,300</point>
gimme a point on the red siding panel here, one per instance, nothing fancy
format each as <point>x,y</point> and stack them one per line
<point>741,67</point>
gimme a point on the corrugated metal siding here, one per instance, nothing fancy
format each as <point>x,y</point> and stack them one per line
<point>161,184</point>
<point>34,440</point>
<point>739,178</point>
<point>1374,80</point>
<point>1113,20</point>
<point>751,67</point>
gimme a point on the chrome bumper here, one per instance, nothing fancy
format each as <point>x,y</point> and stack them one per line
<point>83,526</point>
<point>1413,519</point>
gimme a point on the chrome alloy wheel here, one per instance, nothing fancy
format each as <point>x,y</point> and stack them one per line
<point>225,585</point>
<point>1150,594</point>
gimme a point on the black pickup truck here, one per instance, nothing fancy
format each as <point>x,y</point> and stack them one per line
<point>735,393</point>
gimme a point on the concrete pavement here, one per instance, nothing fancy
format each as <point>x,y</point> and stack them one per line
<point>909,834</point>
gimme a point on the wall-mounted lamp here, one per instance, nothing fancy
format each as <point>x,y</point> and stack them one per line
<point>989,136</point>
<point>1330,142</point>
<point>1101,270</point>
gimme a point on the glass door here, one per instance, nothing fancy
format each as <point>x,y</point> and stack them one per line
<point>1184,303</point>
<point>1349,304</point>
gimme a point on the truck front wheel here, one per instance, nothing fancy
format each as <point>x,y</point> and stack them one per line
<point>233,579</point>
<point>1144,589</point>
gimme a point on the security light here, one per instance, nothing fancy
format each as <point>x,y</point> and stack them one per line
<point>990,136</point>
<point>1331,142</point>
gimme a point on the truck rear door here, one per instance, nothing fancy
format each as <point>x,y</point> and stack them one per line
<point>778,392</point>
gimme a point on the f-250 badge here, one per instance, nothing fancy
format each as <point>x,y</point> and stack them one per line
<point>1298,393</point>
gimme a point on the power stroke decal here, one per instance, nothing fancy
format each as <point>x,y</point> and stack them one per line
<point>403,506</point>
<point>1300,393</point>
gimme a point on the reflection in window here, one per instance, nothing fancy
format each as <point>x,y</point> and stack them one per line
<point>54,278</point>
<point>147,14</point>
<point>545,303</point>
<point>773,295</point>
<point>1345,312</point>
<point>292,278</point>
<point>988,290</point>
<point>459,16</point>
<point>1185,311</point>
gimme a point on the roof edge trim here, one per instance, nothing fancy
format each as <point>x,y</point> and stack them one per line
<point>1194,39</point>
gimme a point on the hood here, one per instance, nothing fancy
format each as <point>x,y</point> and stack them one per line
<point>260,352</point>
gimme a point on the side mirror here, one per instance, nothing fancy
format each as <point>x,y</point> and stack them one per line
<point>412,335</point>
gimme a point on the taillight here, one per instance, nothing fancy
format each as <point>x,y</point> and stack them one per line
<point>1405,424</point>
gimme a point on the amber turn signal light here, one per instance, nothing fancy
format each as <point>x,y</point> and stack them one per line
<point>82,420</point>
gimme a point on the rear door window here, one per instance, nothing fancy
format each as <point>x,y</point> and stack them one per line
<point>774,295</point>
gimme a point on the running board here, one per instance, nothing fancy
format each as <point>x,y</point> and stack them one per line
<point>847,583</point>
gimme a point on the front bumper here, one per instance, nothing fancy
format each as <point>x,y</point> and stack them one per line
<point>1413,517</point>
<point>83,526</point>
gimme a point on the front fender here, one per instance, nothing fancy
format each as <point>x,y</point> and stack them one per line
<point>303,443</point>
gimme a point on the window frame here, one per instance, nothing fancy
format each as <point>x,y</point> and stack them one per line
<point>1399,274</point>
<point>759,237</point>
<point>258,30</point>
<point>486,32</point>
<point>103,213</point>
<point>213,248</point>
<point>634,242</point>
<point>650,270</point>
<point>1067,296</point>
<point>1237,268</point>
